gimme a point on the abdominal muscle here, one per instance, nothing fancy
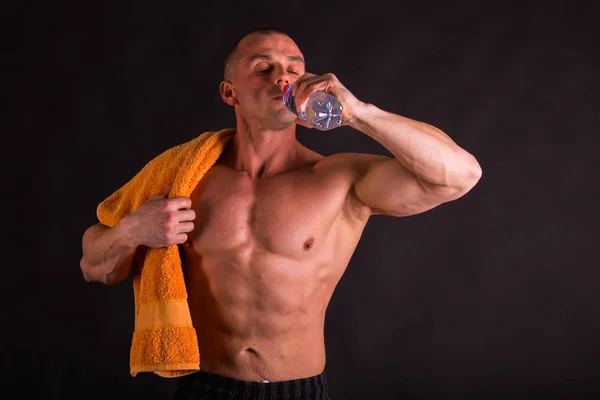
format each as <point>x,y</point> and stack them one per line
<point>258,316</point>
<point>261,266</point>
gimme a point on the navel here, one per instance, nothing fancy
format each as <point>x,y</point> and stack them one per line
<point>309,244</point>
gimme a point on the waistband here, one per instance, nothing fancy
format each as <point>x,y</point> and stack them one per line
<point>314,387</point>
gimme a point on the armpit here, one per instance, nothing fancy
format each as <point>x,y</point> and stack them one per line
<point>355,208</point>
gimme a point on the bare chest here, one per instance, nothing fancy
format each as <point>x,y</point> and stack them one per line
<point>291,214</point>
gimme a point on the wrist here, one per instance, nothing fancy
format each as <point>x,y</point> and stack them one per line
<point>125,230</point>
<point>358,115</point>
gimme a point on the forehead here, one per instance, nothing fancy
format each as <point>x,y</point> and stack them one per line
<point>271,44</point>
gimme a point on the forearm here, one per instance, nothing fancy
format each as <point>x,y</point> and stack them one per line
<point>423,149</point>
<point>108,253</point>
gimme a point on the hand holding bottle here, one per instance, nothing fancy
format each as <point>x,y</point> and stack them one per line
<point>333,106</point>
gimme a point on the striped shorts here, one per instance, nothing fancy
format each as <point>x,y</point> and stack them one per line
<point>204,385</point>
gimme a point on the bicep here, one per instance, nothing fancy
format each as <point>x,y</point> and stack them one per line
<point>389,188</point>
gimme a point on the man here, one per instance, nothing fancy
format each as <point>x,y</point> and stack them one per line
<point>269,230</point>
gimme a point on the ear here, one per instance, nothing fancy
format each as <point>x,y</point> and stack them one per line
<point>226,89</point>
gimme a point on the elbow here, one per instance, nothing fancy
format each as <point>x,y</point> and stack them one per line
<point>461,181</point>
<point>93,274</point>
<point>473,172</point>
<point>456,181</point>
<point>469,176</point>
<point>89,273</point>
<point>85,270</point>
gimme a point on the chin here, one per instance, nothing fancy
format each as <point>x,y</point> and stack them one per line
<point>282,120</point>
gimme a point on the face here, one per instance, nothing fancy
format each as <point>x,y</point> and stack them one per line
<point>265,64</point>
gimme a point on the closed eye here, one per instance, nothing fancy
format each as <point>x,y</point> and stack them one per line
<point>266,70</point>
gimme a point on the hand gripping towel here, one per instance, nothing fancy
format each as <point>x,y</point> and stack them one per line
<point>164,339</point>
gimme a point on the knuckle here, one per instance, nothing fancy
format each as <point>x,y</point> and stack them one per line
<point>168,225</point>
<point>172,239</point>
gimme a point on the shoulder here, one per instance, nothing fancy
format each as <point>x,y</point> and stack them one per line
<point>351,167</point>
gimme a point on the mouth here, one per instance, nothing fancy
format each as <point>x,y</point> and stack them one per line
<point>280,97</point>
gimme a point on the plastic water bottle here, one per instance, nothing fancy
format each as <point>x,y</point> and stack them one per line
<point>323,111</point>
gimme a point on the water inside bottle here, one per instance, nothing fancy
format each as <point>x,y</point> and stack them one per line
<point>323,111</point>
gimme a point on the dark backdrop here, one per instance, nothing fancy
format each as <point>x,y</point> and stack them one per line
<point>495,295</point>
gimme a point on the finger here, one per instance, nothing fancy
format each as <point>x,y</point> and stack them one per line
<point>185,227</point>
<point>179,203</point>
<point>181,238</point>
<point>308,88</point>
<point>299,81</point>
<point>186,215</point>
<point>302,83</point>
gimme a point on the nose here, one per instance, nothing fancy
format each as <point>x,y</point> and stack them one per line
<point>283,79</point>
<point>281,76</point>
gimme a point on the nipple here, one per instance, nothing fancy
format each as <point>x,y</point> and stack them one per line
<point>309,244</point>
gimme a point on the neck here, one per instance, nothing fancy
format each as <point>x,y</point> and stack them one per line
<point>262,152</point>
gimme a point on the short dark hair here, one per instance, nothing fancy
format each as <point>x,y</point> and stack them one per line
<point>231,53</point>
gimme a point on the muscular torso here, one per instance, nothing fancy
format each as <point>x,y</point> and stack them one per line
<point>261,266</point>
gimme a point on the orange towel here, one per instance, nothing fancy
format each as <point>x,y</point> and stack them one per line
<point>164,339</point>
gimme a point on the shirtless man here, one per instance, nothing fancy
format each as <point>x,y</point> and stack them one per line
<point>269,230</point>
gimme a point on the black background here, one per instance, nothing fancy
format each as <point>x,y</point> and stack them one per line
<point>495,295</point>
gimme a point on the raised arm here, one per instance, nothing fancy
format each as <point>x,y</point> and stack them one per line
<point>428,168</point>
